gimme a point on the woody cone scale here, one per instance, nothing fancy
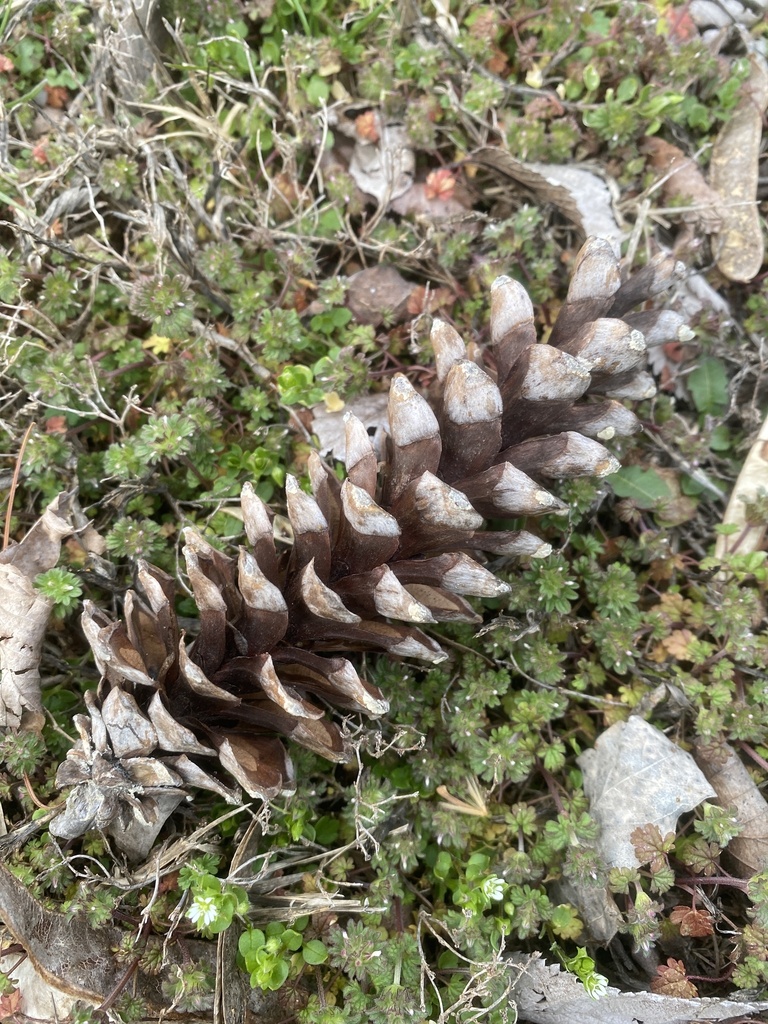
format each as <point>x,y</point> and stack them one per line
<point>399,545</point>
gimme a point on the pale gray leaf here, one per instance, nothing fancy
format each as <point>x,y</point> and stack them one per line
<point>635,776</point>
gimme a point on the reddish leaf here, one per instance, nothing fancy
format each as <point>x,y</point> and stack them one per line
<point>695,923</point>
<point>543,107</point>
<point>440,184</point>
<point>56,425</point>
<point>672,981</point>
<point>649,843</point>
<point>10,1003</point>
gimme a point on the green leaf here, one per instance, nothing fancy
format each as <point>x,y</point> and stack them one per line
<point>251,940</point>
<point>708,385</point>
<point>314,952</point>
<point>644,486</point>
<point>627,89</point>
<point>291,940</point>
<point>278,975</point>
<point>720,439</point>
<point>317,90</point>
<point>591,77</point>
<point>443,865</point>
<point>270,51</point>
<point>477,865</point>
<point>326,830</point>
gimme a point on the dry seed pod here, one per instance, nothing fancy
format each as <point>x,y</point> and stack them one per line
<point>368,562</point>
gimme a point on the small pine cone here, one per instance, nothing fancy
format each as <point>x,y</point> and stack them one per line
<point>372,559</point>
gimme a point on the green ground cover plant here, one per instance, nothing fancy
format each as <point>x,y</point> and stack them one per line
<point>176,296</point>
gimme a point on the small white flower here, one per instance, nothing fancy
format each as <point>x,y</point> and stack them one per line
<point>493,888</point>
<point>596,985</point>
<point>203,910</point>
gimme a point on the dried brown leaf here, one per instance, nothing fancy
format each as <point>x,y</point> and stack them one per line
<point>377,294</point>
<point>75,958</point>
<point>752,480</point>
<point>681,181</point>
<point>734,174</point>
<point>635,775</point>
<point>735,788</point>
<point>582,196</point>
<point>383,169</point>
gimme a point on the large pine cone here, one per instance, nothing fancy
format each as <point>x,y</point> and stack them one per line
<point>372,559</point>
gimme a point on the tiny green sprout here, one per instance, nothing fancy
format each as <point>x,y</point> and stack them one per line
<point>214,903</point>
<point>136,538</point>
<point>757,890</point>
<point>21,753</point>
<point>719,825</point>
<point>296,385</point>
<point>119,177</point>
<point>167,302</point>
<point>565,921</point>
<point>583,966</point>
<point>60,586</point>
<point>277,953</point>
<point>59,297</point>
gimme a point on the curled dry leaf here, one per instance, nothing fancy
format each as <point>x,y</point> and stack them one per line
<point>383,168</point>
<point>681,181</point>
<point>733,173</point>
<point>24,615</point>
<point>582,196</point>
<point>735,788</point>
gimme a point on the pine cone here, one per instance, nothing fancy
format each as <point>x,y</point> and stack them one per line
<point>372,559</point>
